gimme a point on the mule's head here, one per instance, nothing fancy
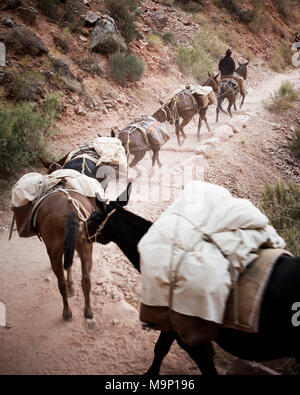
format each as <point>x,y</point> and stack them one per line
<point>103,224</point>
<point>163,114</point>
<point>242,69</point>
<point>213,81</point>
<point>52,166</point>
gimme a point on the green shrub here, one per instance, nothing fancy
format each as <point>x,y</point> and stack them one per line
<point>295,145</point>
<point>194,62</point>
<point>155,41</point>
<point>209,41</point>
<point>124,12</point>
<point>126,68</point>
<point>281,204</point>
<point>63,42</point>
<point>50,8</point>
<point>23,133</point>
<point>282,99</point>
<point>169,37</point>
<point>26,86</point>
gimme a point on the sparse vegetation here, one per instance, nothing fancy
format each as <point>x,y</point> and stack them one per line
<point>281,204</point>
<point>155,41</point>
<point>169,37</point>
<point>64,41</point>
<point>194,62</point>
<point>282,99</point>
<point>124,13</point>
<point>24,129</point>
<point>281,56</point>
<point>49,8</point>
<point>209,42</point>
<point>26,86</point>
<point>126,68</point>
<point>295,145</point>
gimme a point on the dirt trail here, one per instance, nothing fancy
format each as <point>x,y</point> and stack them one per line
<point>38,341</point>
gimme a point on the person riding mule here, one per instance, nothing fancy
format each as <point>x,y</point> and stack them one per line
<point>227,69</point>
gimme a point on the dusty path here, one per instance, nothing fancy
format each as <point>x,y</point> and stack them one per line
<point>38,341</point>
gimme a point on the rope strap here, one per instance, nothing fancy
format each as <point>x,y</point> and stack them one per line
<point>100,227</point>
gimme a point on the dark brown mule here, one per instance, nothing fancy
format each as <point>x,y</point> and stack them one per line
<point>229,90</point>
<point>186,105</point>
<point>279,329</point>
<point>136,146</point>
<point>59,225</point>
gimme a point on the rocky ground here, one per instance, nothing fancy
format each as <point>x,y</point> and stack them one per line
<point>250,147</point>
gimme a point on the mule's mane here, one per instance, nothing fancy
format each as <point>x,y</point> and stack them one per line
<point>135,220</point>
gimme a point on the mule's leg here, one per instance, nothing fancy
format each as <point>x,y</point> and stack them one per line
<point>242,102</point>
<point>177,132</point>
<point>158,160</point>
<point>184,122</point>
<point>84,250</point>
<point>199,126</point>
<point>70,282</point>
<point>138,156</point>
<point>161,349</point>
<point>231,101</point>
<point>57,267</point>
<point>202,356</point>
<point>207,125</point>
<point>155,157</point>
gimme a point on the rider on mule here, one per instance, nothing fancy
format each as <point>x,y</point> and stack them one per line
<point>227,68</point>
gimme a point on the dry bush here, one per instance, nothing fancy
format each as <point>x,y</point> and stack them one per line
<point>282,99</point>
<point>126,68</point>
<point>281,204</point>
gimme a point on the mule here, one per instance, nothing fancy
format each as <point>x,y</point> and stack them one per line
<point>276,338</point>
<point>85,166</point>
<point>229,90</point>
<point>61,227</point>
<point>186,106</point>
<point>134,144</point>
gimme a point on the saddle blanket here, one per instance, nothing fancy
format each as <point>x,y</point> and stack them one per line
<point>31,186</point>
<point>154,132</point>
<point>191,89</point>
<point>193,254</point>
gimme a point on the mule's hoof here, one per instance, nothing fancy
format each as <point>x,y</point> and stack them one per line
<point>88,314</point>
<point>90,324</point>
<point>67,315</point>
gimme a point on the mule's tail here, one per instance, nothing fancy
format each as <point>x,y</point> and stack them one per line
<point>71,229</point>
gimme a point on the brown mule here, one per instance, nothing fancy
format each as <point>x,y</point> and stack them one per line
<point>61,226</point>
<point>185,105</point>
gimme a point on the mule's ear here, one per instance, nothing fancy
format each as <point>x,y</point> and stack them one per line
<point>216,76</point>
<point>112,133</point>
<point>101,203</point>
<point>99,135</point>
<point>123,199</point>
<point>160,102</point>
<point>62,160</point>
<point>45,163</point>
<point>246,64</point>
<point>239,63</point>
<point>209,74</point>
